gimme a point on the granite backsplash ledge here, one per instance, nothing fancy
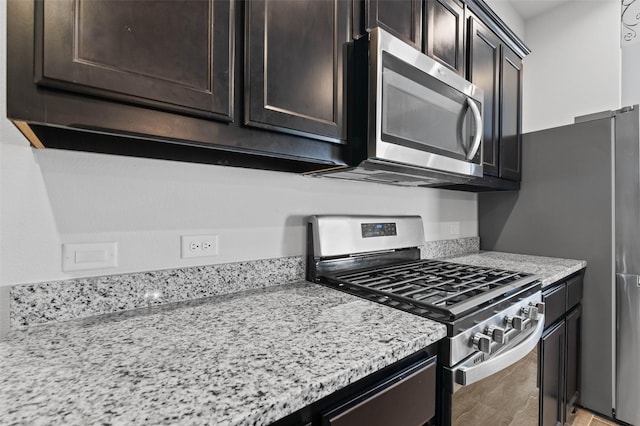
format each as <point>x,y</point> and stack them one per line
<point>40,303</point>
<point>45,302</point>
<point>446,248</point>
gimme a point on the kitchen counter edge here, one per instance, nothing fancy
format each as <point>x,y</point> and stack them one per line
<point>548,269</point>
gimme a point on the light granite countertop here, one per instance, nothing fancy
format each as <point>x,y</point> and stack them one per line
<point>549,269</point>
<point>250,357</point>
<point>245,358</point>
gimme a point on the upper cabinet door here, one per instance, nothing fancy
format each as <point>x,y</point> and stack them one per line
<point>169,54</point>
<point>294,79</point>
<point>444,40</point>
<point>402,18</point>
<point>510,115</point>
<point>484,72</point>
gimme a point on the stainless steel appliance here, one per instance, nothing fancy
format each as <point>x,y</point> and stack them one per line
<point>494,318</point>
<point>580,199</point>
<point>412,121</point>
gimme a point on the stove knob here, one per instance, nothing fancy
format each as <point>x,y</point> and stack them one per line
<point>531,312</point>
<point>482,342</point>
<point>516,322</point>
<point>540,306</point>
<point>497,334</point>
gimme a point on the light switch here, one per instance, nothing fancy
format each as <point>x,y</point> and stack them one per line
<point>87,256</point>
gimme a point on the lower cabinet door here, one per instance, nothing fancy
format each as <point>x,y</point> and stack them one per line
<point>572,391</point>
<point>552,373</point>
<point>407,400</point>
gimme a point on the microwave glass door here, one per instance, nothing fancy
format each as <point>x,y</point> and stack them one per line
<point>419,111</point>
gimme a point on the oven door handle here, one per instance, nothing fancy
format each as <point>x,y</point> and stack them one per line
<point>467,375</point>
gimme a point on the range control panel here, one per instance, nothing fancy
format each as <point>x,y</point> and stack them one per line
<point>378,229</point>
<point>341,235</point>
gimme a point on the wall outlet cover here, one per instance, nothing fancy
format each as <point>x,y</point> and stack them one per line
<point>199,246</point>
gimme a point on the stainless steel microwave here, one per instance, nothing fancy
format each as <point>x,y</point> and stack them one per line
<point>412,121</point>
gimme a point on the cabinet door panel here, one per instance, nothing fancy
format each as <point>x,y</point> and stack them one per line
<point>484,72</point>
<point>445,33</point>
<point>170,54</point>
<point>552,354</point>
<point>511,115</point>
<point>554,300</point>
<point>402,18</point>
<point>573,359</point>
<point>294,80</point>
<point>574,291</point>
<point>409,401</point>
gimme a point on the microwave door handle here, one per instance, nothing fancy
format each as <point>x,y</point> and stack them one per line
<point>478,135</point>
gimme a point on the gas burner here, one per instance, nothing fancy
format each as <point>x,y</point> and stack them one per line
<point>448,288</point>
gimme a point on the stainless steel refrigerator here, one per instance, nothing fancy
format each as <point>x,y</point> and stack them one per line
<point>580,199</point>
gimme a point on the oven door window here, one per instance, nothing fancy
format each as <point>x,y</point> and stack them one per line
<point>421,112</point>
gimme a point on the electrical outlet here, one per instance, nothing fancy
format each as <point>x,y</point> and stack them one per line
<point>199,245</point>
<point>454,228</point>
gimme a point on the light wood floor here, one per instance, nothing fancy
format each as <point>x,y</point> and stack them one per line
<point>586,418</point>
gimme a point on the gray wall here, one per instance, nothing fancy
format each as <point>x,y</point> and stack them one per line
<point>564,210</point>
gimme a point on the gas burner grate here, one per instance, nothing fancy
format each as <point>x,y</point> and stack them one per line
<point>446,287</point>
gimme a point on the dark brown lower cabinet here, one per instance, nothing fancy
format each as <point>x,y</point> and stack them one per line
<point>572,388</point>
<point>402,394</point>
<point>406,402</point>
<point>552,352</point>
<point>559,360</point>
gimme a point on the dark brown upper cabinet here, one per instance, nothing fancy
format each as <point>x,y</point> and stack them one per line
<point>295,58</point>
<point>402,18</point>
<point>497,70</point>
<point>445,33</point>
<point>493,62</point>
<point>164,79</point>
<point>484,72</point>
<point>510,115</point>
<point>258,84</point>
<point>173,55</point>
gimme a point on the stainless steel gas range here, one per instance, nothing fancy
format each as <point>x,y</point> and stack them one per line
<point>494,318</point>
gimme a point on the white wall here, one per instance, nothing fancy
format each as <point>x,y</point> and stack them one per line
<point>630,72</point>
<point>508,14</point>
<point>631,53</point>
<point>51,197</point>
<point>574,67</point>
